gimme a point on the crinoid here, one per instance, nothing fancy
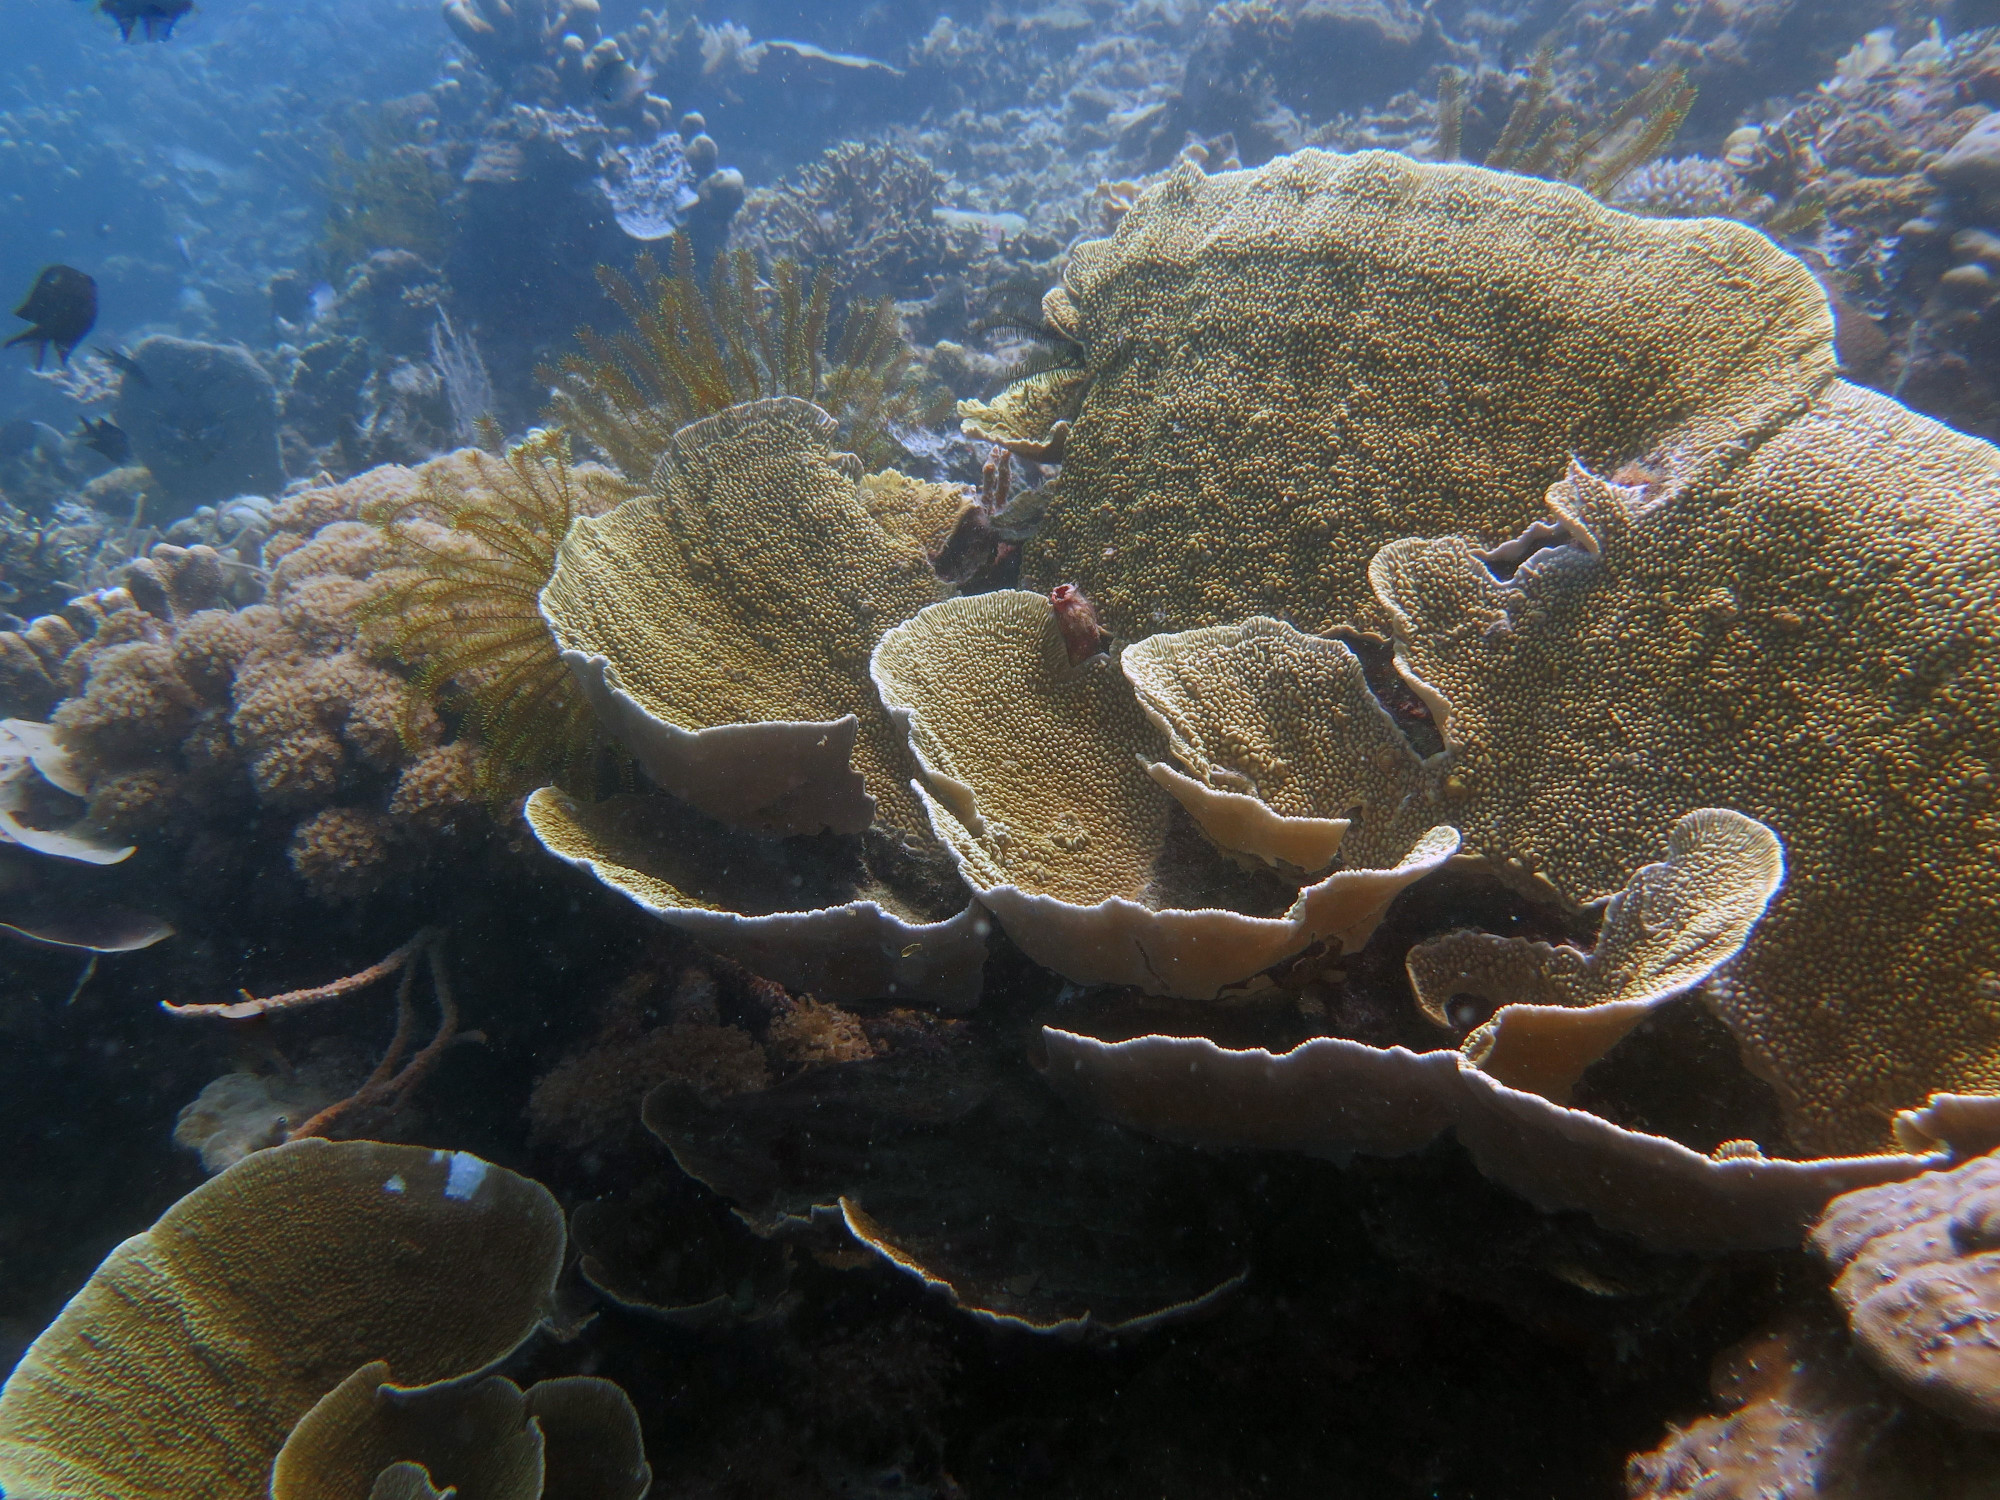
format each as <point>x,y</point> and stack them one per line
<point>694,350</point>
<point>391,196</point>
<point>1540,137</point>
<point>481,536</point>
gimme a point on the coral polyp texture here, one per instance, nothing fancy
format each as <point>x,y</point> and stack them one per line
<point>188,1357</point>
<point>1289,368</point>
<point>1035,777</point>
<point>721,629</point>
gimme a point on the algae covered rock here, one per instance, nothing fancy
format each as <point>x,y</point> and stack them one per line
<point>203,418</point>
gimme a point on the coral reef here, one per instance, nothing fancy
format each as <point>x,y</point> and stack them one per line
<point>184,714</point>
<point>718,631</point>
<point>868,214</point>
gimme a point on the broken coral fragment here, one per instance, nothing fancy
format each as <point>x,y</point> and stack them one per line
<point>809,913</point>
<point>185,1361</point>
<point>575,1436</point>
<point>1558,1009</point>
<point>721,627</point>
<point>1808,637</point>
<point>1918,1273</point>
<point>1033,778</point>
<point>1289,367</point>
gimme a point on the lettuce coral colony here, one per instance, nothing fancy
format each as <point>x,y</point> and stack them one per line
<point>1428,672</point>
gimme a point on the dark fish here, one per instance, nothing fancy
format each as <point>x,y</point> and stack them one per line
<point>126,364</point>
<point>106,437</point>
<point>63,307</point>
<point>155,17</point>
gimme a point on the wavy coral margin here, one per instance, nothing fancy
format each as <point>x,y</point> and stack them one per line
<point>1331,1097</point>
<point>857,951</point>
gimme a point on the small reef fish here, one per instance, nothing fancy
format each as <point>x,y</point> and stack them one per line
<point>62,306</point>
<point>819,54</point>
<point>106,437</point>
<point>155,17</point>
<point>125,364</point>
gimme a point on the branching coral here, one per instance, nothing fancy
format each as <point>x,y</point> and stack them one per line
<point>868,213</point>
<point>482,536</point>
<point>694,351</point>
<point>182,716</point>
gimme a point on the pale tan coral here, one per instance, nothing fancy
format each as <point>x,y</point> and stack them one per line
<point>1035,777</point>
<point>1560,1009</point>
<point>1288,755</point>
<point>341,852</point>
<point>131,804</point>
<point>318,588</point>
<point>299,516</point>
<point>209,646</point>
<point>1032,417</point>
<point>134,705</point>
<point>438,786</point>
<point>1290,367</point>
<point>722,628</point>
<point>303,718</point>
<point>916,512</point>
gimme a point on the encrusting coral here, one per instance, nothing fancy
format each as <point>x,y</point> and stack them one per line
<point>1272,390</point>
